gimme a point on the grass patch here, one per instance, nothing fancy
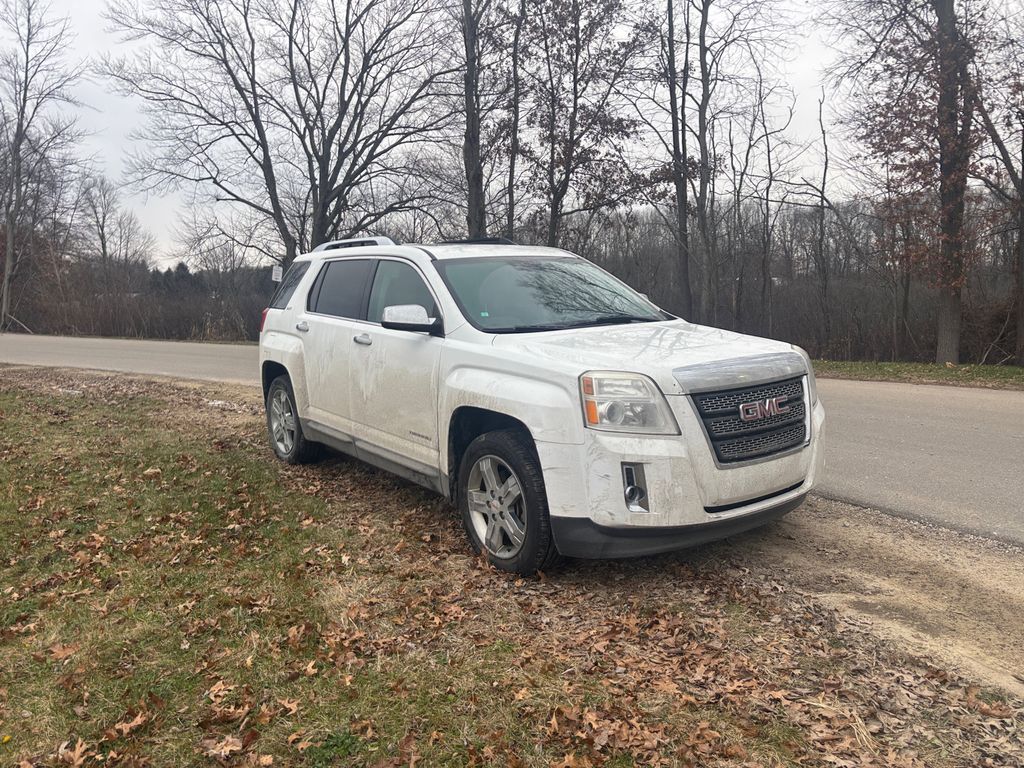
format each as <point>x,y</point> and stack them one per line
<point>987,376</point>
<point>170,595</point>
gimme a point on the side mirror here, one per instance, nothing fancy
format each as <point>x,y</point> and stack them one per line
<point>411,317</point>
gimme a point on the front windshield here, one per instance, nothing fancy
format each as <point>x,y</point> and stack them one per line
<point>532,293</point>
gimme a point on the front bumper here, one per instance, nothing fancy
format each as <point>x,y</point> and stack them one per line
<point>580,537</point>
<point>691,499</point>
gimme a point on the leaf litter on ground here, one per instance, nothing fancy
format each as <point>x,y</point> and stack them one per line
<point>189,599</point>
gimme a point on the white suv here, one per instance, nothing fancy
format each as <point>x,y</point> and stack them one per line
<point>561,411</point>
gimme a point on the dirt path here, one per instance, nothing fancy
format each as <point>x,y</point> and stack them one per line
<point>932,592</point>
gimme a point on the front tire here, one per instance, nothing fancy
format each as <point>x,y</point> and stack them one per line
<point>503,503</point>
<point>283,426</point>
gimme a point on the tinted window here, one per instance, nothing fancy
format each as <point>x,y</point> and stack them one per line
<point>507,295</point>
<point>398,283</point>
<point>291,280</point>
<point>341,288</point>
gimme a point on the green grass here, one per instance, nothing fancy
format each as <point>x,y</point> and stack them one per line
<point>988,376</point>
<point>172,596</point>
<point>132,590</point>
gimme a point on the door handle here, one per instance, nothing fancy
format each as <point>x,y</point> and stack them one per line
<point>302,325</point>
<point>363,338</point>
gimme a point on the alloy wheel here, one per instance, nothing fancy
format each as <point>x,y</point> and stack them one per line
<point>497,507</point>
<point>282,421</point>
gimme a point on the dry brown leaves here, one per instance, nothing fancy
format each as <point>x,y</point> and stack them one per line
<point>673,661</point>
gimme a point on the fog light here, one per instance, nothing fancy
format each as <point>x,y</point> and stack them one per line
<point>634,488</point>
<point>634,494</point>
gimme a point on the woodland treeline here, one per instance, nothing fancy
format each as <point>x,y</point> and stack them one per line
<point>656,138</point>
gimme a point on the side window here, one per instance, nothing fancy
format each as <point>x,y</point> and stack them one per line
<point>291,281</point>
<point>398,283</point>
<point>341,287</point>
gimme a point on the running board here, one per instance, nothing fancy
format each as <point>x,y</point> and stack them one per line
<point>413,471</point>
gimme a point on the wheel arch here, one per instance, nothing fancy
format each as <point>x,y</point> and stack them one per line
<point>269,371</point>
<point>467,423</point>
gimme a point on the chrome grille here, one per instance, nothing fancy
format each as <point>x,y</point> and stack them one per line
<point>726,426</point>
<point>734,439</point>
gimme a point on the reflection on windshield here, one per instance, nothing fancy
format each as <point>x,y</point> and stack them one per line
<point>507,295</point>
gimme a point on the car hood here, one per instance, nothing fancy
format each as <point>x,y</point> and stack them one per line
<point>681,357</point>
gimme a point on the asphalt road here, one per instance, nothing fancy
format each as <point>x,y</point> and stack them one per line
<point>236,363</point>
<point>948,455</point>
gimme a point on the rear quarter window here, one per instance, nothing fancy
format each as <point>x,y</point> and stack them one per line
<point>289,283</point>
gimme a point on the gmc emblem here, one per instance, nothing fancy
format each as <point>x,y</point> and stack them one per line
<point>762,409</point>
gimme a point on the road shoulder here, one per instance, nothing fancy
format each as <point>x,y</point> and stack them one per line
<point>931,591</point>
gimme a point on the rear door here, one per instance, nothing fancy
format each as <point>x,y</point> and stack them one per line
<point>333,319</point>
<point>394,383</point>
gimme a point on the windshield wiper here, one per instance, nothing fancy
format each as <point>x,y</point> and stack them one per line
<point>602,320</point>
<point>526,328</point>
<point>612,320</point>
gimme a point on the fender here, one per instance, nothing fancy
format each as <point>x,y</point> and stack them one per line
<point>286,349</point>
<point>550,411</point>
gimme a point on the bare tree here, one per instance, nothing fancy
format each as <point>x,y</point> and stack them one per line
<point>473,12</point>
<point>492,37</point>
<point>120,250</point>
<point>34,82</point>
<point>514,115</point>
<point>821,262</point>
<point>677,77</point>
<point>913,103</point>
<point>579,61</point>
<point>1001,112</point>
<point>305,112</point>
<point>955,121</point>
<point>699,76</point>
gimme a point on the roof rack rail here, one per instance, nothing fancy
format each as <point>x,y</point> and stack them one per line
<point>353,243</point>
<point>480,241</point>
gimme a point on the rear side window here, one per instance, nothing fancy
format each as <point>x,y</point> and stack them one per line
<point>291,281</point>
<point>397,283</point>
<point>341,288</point>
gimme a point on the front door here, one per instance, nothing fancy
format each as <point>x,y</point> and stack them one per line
<point>394,386</point>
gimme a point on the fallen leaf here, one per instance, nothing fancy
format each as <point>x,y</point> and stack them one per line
<point>291,705</point>
<point>126,726</point>
<point>75,756</point>
<point>226,747</point>
<point>60,652</point>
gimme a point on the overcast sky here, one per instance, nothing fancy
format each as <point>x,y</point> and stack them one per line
<point>110,119</point>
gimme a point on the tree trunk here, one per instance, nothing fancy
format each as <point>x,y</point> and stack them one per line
<point>1019,292</point>
<point>11,213</point>
<point>703,142</point>
<point>5,287</point>
<point>954,156</point>
<point>513,141</point>
<point>904,335</point>
<point>947,341</point>
<point>823,266</point>
<point>476,214</point>
<point>683,289</point>
<point>554,220</point>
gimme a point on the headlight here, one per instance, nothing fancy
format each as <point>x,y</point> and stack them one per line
<point>625,402</point>
<point>812,384</point>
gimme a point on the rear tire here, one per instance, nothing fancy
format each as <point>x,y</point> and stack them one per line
<point>284,429</point>
<point>504,504</point>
